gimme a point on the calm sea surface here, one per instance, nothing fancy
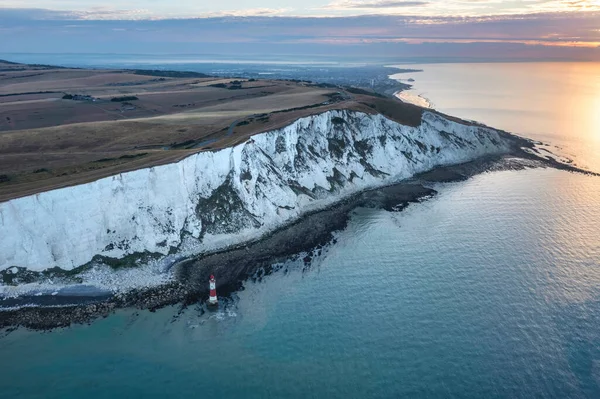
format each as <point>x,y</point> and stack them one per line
<point>557,103</point>
<point>489,290</point>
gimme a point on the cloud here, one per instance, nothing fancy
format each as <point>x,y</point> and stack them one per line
<point>107,13</point>
<point>352,4</point>
<point>32,14</point>
<point>559,6</point>
<point>260,32</point>
<point>249,12</point>
<point>94,13</point>
<point>164,9</point>
<point>266,25</point>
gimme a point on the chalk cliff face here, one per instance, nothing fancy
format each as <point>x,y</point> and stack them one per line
<point>214,199</point>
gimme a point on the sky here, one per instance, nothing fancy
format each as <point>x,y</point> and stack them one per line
<point>411,29</point>
<point>161,9</point>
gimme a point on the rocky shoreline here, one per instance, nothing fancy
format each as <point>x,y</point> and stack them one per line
<point>305,238</point>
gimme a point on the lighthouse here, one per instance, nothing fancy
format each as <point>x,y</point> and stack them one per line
<point>212,299</point>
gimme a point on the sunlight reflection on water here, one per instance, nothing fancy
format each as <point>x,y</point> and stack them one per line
<point>552,102</point>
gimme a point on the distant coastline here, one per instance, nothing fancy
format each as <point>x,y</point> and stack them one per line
<point>416,99</point>
<point>405,94</point>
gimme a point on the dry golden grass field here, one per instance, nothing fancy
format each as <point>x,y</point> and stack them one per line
<point>60,127</point>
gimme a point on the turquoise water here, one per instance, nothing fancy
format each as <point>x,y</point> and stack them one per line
<point>491,289</point>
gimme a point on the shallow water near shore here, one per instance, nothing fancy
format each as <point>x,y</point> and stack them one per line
<point>490,289</point>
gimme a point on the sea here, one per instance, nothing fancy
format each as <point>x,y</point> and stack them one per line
<point>554,102</point>
<point>490,289</point>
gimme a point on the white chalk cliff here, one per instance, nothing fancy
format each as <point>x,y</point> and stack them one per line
<point>215,199</point>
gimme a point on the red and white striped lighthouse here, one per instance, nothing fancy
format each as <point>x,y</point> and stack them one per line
<point>212,299</point>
